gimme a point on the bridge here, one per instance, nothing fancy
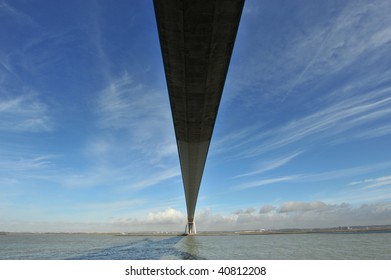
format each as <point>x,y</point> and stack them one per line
<point>196,38</point>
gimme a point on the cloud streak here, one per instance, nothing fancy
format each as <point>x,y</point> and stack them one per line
<point>39,162</point>
<point>321,176</point>
<point>343,121</point>
<point>270,165</point>
<point>373,183</point>
<point>265,182</point>
<point>24,113</point>
<point>155,179</point>
<point>11,11</point>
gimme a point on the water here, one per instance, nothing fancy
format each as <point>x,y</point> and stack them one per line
<point>328,246</point>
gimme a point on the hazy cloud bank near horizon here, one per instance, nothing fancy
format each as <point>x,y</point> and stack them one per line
<point>291,214</point>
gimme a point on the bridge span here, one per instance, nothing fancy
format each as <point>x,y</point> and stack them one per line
<point>196,38</point>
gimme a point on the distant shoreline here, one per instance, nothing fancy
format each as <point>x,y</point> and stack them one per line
<point>360,229</point>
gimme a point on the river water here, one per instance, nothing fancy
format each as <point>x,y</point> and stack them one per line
<point>324,246</point>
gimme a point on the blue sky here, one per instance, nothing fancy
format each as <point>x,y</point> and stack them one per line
<point>302,138</point>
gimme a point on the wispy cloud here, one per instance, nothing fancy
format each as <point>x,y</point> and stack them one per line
<point>233,140</point>
<point>270,165</point>
<point>141,112</point>
<point>133,114</point>
<point>118,178</point>
<point>331,123</point>
<point>264,182</point>
<point>373,132</point>
<point>340,117</point>
<point>24,113</point>
<point>26,164</point>
<point>155,179</point>
<point>317,177</point>
<point>112,207</point>
<point>11,11</point>
<point>124,103</point>
<point>373,183</point>
<point>6,65</point>
<point>344,173</point>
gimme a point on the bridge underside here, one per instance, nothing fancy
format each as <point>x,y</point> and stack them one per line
<point>197,38</point>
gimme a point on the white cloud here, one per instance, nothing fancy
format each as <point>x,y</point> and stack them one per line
<point>168,216</point>
<point>297,214</point>
<point>207,220</point>
<point>296,206</point>
<point>245,211</point>
<point>267,209</point>
<point>290,214</point>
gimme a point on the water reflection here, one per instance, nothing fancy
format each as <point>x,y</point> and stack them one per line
<point>191,245</point>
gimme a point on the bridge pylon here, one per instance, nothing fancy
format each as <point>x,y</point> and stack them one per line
<point>190,228</point>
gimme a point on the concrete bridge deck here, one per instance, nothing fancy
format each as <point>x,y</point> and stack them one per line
<point>197,38</point>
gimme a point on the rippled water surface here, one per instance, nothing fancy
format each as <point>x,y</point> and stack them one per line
<point>282,246</point>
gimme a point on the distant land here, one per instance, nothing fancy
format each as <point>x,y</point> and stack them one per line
<point>340,229</point>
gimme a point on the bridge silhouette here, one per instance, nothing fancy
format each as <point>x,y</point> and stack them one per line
<point>196,38</point>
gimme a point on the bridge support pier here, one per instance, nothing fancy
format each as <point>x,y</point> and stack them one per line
<point>190,228</point>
